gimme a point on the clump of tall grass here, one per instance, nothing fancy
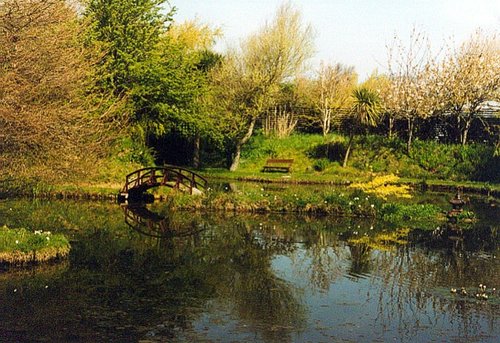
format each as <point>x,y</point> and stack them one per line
<point>22,247</point>
<point>401,213</point>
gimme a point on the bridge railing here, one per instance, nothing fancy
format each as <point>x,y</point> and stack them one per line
<point>188,178</point>
<point>145,178</point>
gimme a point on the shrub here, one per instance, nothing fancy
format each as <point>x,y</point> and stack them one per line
<point>383,187</point>
<point>404,213</point>
<point>455,162</point>
<point>321,164</point>
<point>333,151</point>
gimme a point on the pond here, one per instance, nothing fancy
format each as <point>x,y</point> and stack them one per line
<point>144,274</point>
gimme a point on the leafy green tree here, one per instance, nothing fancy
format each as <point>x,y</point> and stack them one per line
<point>249,78</point>
<point>127,32</point>
<point>381,84</point>
<point>171,88</point>
<point>365,111</point>
<point>121,38</point>
<point>158,67</point>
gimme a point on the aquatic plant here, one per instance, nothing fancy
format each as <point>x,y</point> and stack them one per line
<point>466,216</point>
<point>404,213</point>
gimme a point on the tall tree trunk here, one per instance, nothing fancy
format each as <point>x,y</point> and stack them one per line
<point>411,122</point>
<point>391,126</point>
<point>465,131</point>
<point>236,158</point>
<point>326,121</point>
<point>196,151</point>
<point>348,151</point>
<point>237,151</point>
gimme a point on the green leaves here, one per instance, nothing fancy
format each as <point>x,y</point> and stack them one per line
<point>129,31</point>
<point>366,107</point>
<point>160,69</point>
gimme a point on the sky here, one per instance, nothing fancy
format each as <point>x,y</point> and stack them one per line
<point>351,32</point>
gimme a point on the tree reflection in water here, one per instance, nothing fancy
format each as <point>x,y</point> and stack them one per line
<point>412,271</point>
<point>267,303</point>
<point>197,276</point>
<point>238,268</point>
<point>417,277</point>
<point>361,258</point>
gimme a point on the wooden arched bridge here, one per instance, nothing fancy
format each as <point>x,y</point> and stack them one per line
<point>139,181</point>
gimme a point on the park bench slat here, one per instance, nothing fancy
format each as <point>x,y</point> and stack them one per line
<point>278,164</point>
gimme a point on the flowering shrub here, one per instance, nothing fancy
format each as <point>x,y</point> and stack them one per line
<point>383,187</point>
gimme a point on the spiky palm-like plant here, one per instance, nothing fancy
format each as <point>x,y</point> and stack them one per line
<point>365,111</point>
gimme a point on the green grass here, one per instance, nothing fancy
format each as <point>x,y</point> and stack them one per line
<point>427,159</point>
<point>409,213</point>
<point>21,247</point>
<point>318,159</point>
<point>327,200</point>
<point>309,164</point>
<point>298,147</point>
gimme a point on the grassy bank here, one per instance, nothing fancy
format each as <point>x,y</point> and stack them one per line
<point>21,247</point>
<point>318,159</point>
<point>101,182</point>
<point>318,156</point>
<point>389,203</point>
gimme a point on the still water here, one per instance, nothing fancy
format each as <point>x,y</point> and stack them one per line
<point>143,274</point>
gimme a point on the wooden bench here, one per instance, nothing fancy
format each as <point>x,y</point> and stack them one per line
<point>279,165</point>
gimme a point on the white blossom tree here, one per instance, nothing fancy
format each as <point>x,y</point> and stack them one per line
<point>471,76</point>
<point>412,71</point>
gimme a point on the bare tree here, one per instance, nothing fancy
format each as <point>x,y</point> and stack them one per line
<point>332,92</point>
<point>46,131</point>
<point>280,121</point>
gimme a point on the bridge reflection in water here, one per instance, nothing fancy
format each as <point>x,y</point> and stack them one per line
<point>152,224</point>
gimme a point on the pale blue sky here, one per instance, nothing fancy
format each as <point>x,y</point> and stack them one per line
<point>352,32</point>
